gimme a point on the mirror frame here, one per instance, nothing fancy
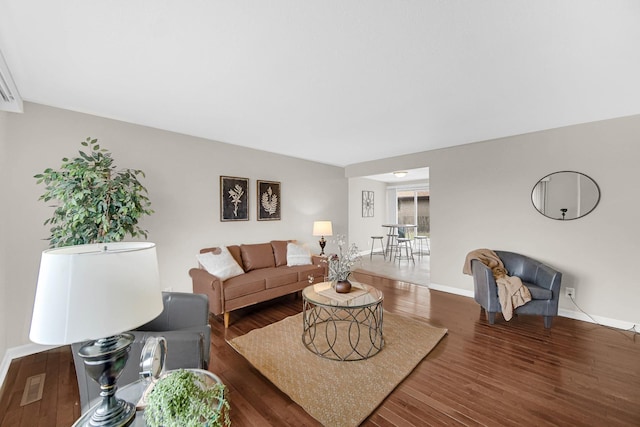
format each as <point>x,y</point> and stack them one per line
<point>566,171</point>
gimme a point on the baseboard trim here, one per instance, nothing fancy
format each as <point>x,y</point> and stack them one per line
<point>17,352</point>
<point>604,321</point>
<point>576,315</point>
<point>451,290</point>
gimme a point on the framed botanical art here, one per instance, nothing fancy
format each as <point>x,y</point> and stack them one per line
<point>269,200</point>
<point>367,203</point>
<point>234,198</point>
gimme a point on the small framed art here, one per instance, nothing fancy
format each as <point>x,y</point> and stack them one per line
<point>367,203</point>
<point>269,200</point>
<point>234,198</point>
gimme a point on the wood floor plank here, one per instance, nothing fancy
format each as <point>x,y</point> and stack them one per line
<point>60,391</point>
<point>8,387</point>
<point>506,374</point>
<point>49,404</point>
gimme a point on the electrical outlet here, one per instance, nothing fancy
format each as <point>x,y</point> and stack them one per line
<point>570,292</point>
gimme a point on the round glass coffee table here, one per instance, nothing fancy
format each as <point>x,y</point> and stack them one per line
<point>342,327</point>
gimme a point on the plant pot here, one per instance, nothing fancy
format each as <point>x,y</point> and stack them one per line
<point>207,389</point>
<point>343,286</point>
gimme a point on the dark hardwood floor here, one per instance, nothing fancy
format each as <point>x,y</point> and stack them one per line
<point>60,403</point>
<point>516,373</point>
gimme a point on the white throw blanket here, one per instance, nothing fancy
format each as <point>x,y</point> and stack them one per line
<point>511,292</point>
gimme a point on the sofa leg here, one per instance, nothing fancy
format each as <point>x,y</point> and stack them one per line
<point>547,321</point>
<point>226,319</point>
<point>491,317</point>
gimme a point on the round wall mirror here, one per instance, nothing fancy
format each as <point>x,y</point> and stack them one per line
<point>565,195</point>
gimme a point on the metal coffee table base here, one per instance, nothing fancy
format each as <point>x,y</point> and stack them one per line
<point>342,333</point>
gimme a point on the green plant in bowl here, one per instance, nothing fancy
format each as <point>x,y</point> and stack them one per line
<point>184,399</point>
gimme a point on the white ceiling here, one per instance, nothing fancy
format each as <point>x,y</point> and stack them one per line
<point>335,81</point>
<point>419,174</point>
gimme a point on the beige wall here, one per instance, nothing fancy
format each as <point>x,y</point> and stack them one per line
<point>480,197</point>
<point>182,176</point>
<point>3,230</point>
<point>361,229</point>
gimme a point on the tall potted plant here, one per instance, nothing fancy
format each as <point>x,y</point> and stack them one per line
<point>95,202</point>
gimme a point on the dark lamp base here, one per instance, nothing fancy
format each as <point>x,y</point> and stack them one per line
<point>104,361</point>
<point>323,243</point>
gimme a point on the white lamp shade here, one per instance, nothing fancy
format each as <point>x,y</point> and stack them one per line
<point>94,291</point>
<point>322,228</point>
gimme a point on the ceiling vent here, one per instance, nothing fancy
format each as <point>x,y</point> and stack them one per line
<point>9,97</point>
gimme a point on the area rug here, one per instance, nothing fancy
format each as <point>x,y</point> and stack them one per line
<point>337,394</point>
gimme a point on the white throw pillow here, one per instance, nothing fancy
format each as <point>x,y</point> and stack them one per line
<point>221,265</point>
<point>298,255</point>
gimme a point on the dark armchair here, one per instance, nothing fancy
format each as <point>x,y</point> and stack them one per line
<point>184,322</point>
<point>542,281</point>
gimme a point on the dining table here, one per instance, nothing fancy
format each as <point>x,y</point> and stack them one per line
<point>393,233</point>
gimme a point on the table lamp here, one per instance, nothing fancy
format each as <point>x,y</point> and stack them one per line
<point>322,228</point>
<point>95,292</point>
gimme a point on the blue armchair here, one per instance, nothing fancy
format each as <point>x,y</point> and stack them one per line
<point>184,322</point>
<point>542,281</point>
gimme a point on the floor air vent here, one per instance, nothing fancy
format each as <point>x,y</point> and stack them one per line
<point>33,389</point>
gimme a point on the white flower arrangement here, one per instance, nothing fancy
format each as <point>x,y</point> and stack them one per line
<point>341,263</point>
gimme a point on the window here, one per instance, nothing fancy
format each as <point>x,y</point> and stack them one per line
<point>413,208</point>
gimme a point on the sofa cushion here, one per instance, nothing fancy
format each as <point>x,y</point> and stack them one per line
<point>298,255</point>
<point>280,276</point>
<point>244,284</point>
<point>256,256</point>
<point>220,263</point>
<point>237,254</point>
<point>280,251</point>
<point>304,271</point>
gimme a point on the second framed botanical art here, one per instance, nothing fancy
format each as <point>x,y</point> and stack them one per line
<point>269,200</point>
<point>234,198</point>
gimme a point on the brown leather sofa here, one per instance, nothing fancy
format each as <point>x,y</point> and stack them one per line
<point>266,276</point>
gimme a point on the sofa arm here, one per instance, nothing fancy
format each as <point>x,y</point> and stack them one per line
<point>486,290</point>
<point>321,261</point>
<point>548,278</point>
<point>209,285</point>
